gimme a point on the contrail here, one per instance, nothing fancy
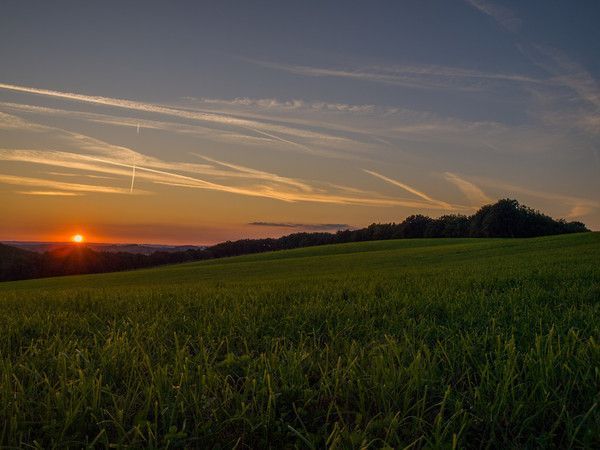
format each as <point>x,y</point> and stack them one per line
<point>210,117</point>
<point>473,192</point>
<point>197,182</point>
<point>280,139</point>
<point>132,180</point>
<point>410,189</point>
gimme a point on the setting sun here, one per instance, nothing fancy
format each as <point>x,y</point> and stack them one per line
<point>78,238</point>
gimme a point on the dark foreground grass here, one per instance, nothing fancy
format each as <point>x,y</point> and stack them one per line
<point>419,344</point>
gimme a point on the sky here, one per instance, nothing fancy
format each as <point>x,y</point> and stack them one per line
<point>197,122</point>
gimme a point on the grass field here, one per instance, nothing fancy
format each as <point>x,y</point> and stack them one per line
<point>443,343</point>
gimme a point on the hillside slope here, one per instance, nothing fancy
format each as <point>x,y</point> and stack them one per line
<point>16,263</point>
<point>429,342</point>
<point>504,219</point>
<point>381,259</point>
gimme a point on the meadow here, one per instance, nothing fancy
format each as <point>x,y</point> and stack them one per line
<point>423,343</point>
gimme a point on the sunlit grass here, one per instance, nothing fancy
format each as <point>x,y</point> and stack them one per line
<point>423,343</point>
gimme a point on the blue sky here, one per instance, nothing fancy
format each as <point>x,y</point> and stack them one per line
<point>243,115</point>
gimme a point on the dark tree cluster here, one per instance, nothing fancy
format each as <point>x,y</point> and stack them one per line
<point>505,218</point>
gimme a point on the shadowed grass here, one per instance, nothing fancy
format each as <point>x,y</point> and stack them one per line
<point>417,343</point>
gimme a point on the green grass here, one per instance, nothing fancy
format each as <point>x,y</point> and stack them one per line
<point>443,343</point>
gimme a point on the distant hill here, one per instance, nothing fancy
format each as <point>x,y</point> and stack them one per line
<point>18,264</point>
<point>505,218</point>
<point>142,249</point>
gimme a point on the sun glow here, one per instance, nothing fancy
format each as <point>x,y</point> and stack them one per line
<point>78,238</point>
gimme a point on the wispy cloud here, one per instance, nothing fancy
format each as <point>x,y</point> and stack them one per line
<point>580,210</point>
<point>87,155</point>
<point>79,175</point>
<point>61,185</point>
<point>409,75</point>
<point>11,122</point>
<point>563,112</point>
<point>213,134</point>
<point>108,154</point>
<point>474,193</point>
<point>303,226</point>
<point>289,105</point>
<point>573,101</point>
<point>94,155</point>
<point>259,174</point>
<point>325,198</point>
<point>438,203</point>
<point>269,129</point>
<point>50,193</point>
<point>98,156</point>
<point>565,72</point>
<point>504,16</point>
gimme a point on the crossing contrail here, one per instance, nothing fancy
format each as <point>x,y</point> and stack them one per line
<point>132,180</point>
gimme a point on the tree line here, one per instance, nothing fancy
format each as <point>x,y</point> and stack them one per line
<point>503,219</point>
